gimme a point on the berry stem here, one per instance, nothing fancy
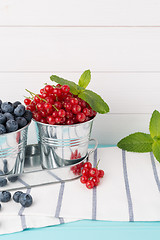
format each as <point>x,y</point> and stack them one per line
<point>51,85</point>
<point>97,164</point>
<point>40,98</point>
<point>29,97</point>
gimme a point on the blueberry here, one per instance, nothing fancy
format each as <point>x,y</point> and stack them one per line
<point>2,129</point>
<point>8,116</point>
<point>0,102</point>
<point>21,122</point>
<point>17,195</point>
<point>19,110</point>
<point>25,200</point>
<point>13,179</point>
<point>15,104</point>
<point>3,182</point>
<point>28,115</point>
<point>5,196</point>
<point>2,118</point>
<point>7,107</point>
<point>11,125</point>
<point>5,167</point>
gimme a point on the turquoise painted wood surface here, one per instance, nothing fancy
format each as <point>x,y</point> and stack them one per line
<point>88,229</point>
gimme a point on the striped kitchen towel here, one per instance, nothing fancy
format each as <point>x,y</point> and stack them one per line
<point>129,191</point>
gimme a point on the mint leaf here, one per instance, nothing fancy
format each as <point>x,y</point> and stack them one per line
<point>95,101</point>
<point>85,79</point>
<point>74,88</point>
<point>156,150</point>
<point>136,142</point>
<point>154,125</point>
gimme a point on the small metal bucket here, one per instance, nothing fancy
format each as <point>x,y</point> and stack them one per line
<point>63,144</point>
<point>12,151</point>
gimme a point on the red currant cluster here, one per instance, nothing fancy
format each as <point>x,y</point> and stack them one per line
<point>77,169</point>
<point>58,106</point>
<point>91,176</point>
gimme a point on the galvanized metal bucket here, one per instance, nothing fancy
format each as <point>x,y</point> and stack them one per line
<point>12,151</point>
<point>63,144</point>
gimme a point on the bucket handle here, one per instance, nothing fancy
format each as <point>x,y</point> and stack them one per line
<point>95,147</point>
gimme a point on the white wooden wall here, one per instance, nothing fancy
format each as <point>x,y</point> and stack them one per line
<point>118,40</point>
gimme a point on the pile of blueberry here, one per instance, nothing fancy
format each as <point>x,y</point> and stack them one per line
<point>13,116</point>
<point>25,199</point>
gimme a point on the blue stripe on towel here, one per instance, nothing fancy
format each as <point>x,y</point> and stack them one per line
<point>20,213</point>
<point>59,203</point>
<point>128,193</point>
<point>155,171</point>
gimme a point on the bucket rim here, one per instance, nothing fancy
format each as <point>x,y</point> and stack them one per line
<point>60,125</point>
<point>19,130</point>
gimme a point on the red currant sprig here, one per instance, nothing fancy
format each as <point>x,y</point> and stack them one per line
<point>91,176</point>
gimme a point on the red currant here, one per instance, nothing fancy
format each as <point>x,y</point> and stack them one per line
<point>93,172</point>
<point>43,113</point>
<point>69,122</point>
<point>80,117</point>
<point>50,100</point>
<point>43,120</point>
<point>100,173</point>
<point>89,184</point>
<point>61,113</point>
<point>57,92</point>
<point>67,106</point>
<point>96,181</point>
<point>55,114</point>
<point>37,98</point>
<point>74,101</point>
<point>63,120</point>
<point>83,179</point>
<point>87,165</point>
<point>51,120</point>
<point>69,114</point>
<point>31,107</point>
<point>49,111</point>
<point>86,111</point>
<point>27,101</point>
<point>58,120</point>
<point>85,172</point>
<point>37,116</point>
<point>82,103</point>
<point>76,109</point>
<point>67,99</point>
<point>40,106</point>
<point>48,89</point>
<point>44,95</point>
<point>41,90</point>
<point>58,105</point>
<point>65,88</point>
<point>47,105</point>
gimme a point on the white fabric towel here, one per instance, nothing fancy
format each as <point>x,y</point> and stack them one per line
<point>129,191</point>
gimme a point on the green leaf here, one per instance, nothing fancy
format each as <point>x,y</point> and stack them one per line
<point>156,150</point>
<point>154,125</point>
<point>95,101</point>
<point>85,79</point>
<point>74,88</point>
<point>136,142</point>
